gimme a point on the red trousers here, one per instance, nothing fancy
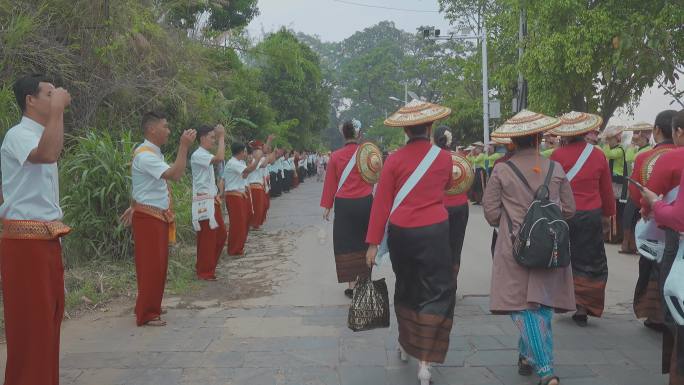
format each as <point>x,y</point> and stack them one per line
<point>210,244</point>
<point>151,238</point>
<point>33,295</point>
<point>238,208</point>
<point>259,204</point>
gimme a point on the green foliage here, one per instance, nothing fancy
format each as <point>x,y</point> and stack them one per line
<point>95,175</point>
<point>293,81</point>
<point>223,15</point>
<point>579,55</point>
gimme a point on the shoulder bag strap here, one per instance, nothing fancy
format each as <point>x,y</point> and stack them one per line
<point>347,170</point>
<point>520,175</point>
<point>577,167</point>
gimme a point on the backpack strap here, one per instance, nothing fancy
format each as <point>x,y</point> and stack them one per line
<point>520,175</point>
<point>549,174</point>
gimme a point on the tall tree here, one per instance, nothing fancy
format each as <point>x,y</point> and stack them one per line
<point>291,76</point>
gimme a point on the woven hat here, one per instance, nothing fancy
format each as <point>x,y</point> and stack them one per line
<point>525,123</point>
<point>640,126</point>
<point>462,175</point>
<point>417,112</point>
<point>502,140</point>
<point>369,162</point>
<point>577,123</point>
<point>611,131</point>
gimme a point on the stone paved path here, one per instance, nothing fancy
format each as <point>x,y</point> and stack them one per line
<point>280,318</point>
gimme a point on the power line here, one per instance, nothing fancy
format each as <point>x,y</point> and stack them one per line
<point>384,7</point>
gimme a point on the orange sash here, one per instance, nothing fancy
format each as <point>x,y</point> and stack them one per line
<point>167,215</point>
<point>36,230</point>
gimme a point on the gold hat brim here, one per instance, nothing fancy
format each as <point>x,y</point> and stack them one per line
<point>525,123</point>
<point>416,113</point>
<point>462,174</point>
<point>577,123</point>
<point>642,126</point>
<point>369,162</point>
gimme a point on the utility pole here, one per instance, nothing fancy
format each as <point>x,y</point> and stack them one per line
<point>522,87</point>
<point>434,34</point>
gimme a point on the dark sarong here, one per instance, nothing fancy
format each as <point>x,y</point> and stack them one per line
<point>425,291</point>
<point>589,262</point>
<point>648,302</point>
<point>673,337</point>
<point>349,237</point>
<point>288,182</point>
<point>476,192</point>
<point>275,185</point>
<point>630,216</point>
<point>458,220</point>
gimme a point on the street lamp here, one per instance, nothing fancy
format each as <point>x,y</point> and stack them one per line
<point>435,34</point>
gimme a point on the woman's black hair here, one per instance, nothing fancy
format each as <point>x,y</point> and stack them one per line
<point>348,130</point>
<point>664,122</point>
<point>440,137</point>
<point>527,141</point>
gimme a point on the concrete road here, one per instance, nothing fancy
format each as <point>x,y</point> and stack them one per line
<point>279,317</point>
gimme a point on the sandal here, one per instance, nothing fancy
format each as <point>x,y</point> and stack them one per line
<point>349,293</point>
<point>548,381</point>
<point>524,368</point>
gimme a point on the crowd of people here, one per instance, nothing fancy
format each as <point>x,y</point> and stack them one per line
<point>413,210</point>
<point>604,192</point>
<point>31,253</point>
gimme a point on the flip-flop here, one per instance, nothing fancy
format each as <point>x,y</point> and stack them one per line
<point>524,368</point>
<point>349,293</point>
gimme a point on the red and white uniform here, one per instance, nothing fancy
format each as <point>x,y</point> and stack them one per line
<point>354,186</point>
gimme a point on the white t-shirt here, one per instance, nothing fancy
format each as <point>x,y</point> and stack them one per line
<point>203,178</point>
<point>149,188</point>
<point>30,191</point>
<point>232,175</point>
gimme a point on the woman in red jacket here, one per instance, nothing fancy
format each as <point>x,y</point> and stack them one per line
<point>409,203</point>
<point>352,197</point>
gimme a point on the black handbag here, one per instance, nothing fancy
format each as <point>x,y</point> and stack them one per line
<point>370,306</point>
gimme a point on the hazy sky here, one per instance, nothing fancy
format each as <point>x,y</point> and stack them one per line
<point>336,20</point>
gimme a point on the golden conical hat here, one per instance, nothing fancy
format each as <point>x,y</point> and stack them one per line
<point>417,112</point>
<point>525,123</point>
<point>462,174</point>
<point>369,162</point>
<point>577,123</point>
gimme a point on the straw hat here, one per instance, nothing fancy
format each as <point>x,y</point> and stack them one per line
<point>611,131</point>
<point>369,162</point>
<point>525,123</point>
<point>417,112</point>
<point>502,140</point>
<point>478,144</point>
<point>640,126</point>
<point>577,123</point>
<point>462,174</point>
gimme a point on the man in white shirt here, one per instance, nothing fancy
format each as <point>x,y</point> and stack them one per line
<point>257,183</point>
<point>152,215</point>
<point>237,202</point>
<point>207,217</point>
<point>30,250</point>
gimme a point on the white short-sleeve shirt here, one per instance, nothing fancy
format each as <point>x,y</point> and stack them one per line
<point>232,175</point>
<point>149,187</point>
<point>30,191</point>
<point>203,178</point>
<point>257,176</point>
